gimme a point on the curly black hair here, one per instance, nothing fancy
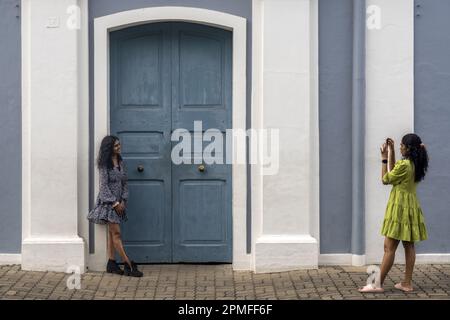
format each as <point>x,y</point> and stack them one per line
<point>104,159</point>
<point>417,153</point>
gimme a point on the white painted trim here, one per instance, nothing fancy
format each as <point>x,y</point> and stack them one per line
<point>105,24</point>
<point>314,122</point>
<point>83,128</point>
<point>10,259</point>
<point>257,117</point>
<point>26,124</point>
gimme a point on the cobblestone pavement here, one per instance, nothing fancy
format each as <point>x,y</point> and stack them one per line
<point>189,282</point>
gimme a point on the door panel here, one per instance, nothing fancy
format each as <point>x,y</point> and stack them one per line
<point>140,71</point>
<point>200,70</point>
<point>201,91</point>
<point>146,243</point>
<point>203,220</point>
<point>141,118</point>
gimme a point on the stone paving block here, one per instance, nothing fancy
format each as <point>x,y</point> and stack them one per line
<point>209,282</point>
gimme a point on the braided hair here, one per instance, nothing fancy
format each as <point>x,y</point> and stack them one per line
<point>417,153</point>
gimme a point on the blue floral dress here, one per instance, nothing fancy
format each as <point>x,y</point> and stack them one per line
<point>113,188</point>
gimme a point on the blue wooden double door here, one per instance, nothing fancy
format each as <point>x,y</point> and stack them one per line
<point>163,77</point>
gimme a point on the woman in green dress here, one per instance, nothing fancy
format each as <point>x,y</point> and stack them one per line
<point>403,220</point>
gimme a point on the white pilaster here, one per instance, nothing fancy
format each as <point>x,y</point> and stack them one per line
<point>285,98</point>
<point>50,102</point>
<point>389,105</point>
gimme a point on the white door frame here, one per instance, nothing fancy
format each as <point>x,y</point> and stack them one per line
<point>102,27</point>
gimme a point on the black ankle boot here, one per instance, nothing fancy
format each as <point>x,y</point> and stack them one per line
<point>113,267</point>
<point>131,271</point>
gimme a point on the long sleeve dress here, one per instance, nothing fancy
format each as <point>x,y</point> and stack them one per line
<point>113,188</point>
<point>403,219</point>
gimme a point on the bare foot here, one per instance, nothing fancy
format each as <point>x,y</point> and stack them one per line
<point>404,287</point>
<point>370,288</point>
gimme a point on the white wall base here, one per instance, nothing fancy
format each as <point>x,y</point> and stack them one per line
<point>97,263</point>
<point>339,259</point>
<point>243,264</point>
<point>53,254</point>
<point>358,260</point>
<point>283,253</point>
<point>432,258</point>
<point>346,259</point>
<point>7,259</point>
<point>421,258</point>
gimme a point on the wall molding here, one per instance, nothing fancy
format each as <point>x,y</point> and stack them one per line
<point>10,259</point>
<point>348,259</point>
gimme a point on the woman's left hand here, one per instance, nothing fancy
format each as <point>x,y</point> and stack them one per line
<point>384,151</point>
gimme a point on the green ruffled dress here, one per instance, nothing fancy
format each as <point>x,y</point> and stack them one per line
<point>403,219</point>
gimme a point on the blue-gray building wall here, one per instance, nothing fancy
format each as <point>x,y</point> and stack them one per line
<point>10,128</point>
<point>432,113</point>
<point>335,124</point>
<point>432,117</point>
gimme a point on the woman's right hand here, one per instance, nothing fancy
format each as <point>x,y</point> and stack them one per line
<point>390,144</point>
<point>119,209</point>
